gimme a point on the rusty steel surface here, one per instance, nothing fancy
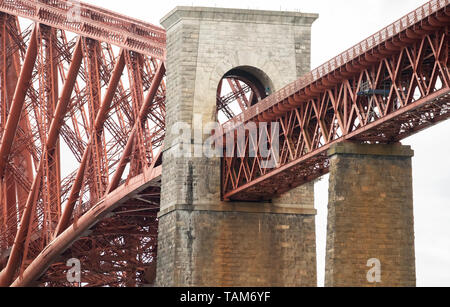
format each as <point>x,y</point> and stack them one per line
<point>82,121</point>
<point>388,87</point>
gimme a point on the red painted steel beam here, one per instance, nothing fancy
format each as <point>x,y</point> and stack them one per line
<point>10,75</point>
<point>87,221</point>
<point>7,274</point>
<point>93,22</point>
<point>144,111</point>
<point>87,119</point>
<point>315,114</point>
<point>445,93</point>
<point>99,125</point>
<point>18,101</point>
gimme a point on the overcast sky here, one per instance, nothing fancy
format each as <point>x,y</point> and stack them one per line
<point>341,25</point>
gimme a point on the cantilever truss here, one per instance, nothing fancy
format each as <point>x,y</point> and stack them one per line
<point>390,86</point>
<point>82,117</point>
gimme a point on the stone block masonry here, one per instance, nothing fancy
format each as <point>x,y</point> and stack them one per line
<point>370,216</point>
<point>202,240</point>
<point>236,249</point>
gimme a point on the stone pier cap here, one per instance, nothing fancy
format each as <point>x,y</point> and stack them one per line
<point>236,15</point>
<point>350,148</point>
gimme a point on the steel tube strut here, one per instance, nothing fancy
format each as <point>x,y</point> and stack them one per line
<point>142,115</point>
<point>99,124</point>
<point>87,221</point>
<point>7,274</point>
<point>18,101</point>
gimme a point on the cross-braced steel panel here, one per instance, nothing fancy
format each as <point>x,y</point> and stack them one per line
<point>82,115</point>
<point>82,121</point>
<point>388,87</point>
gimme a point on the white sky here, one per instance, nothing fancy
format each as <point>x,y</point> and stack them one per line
<point>341,25</point>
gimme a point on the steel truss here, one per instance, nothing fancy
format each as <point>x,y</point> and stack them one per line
<point>382,94</point>
<point>86,95</point>
<point>89,92</point>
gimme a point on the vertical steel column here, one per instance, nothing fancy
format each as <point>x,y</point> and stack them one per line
<point>18,101</point>
<point>99,125</point>
<point>7,274</point>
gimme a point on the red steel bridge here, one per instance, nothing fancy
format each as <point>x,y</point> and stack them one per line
<point>82,123</point>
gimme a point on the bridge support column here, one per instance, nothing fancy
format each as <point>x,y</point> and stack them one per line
<point>202,240</point>
<point>241,246</point>
<point>370,238</point>
<point>207,243</point>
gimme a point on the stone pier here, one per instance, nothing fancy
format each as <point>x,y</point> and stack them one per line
<point>202,240</point>
<point>370,239</point>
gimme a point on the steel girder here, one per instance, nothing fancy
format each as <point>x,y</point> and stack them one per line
<point>93,22</point>
<point>383,90</point>
<point>73,113</point>
<point>109,121</point>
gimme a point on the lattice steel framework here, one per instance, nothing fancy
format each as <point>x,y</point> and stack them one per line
<point>239,97</point>
<point>86,93</point>
<point>82,120</point>
<point>388,87</point>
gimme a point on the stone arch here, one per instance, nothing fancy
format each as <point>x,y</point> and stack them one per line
<point>205,99</point>
<point>258,79</point>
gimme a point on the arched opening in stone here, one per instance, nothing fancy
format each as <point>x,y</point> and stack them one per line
<point>239,89</point>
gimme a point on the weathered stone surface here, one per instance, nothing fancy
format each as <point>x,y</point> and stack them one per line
<point>301,197</point>
<point>370,215</point>
<point>202,45</point>
<point>232,249</point>
<point>202,240</point>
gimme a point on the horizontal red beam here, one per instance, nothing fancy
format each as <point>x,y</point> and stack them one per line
<point>93,22</point>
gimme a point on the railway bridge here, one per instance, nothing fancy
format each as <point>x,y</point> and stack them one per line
<point>111,152</point>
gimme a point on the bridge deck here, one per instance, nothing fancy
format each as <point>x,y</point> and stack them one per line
<point>364,53</point>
